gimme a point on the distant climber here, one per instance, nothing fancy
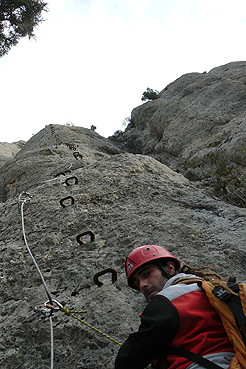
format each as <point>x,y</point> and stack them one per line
<point>177,316</point>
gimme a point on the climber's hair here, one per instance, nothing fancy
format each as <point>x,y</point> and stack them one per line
<point>200,272</point>
<point>210,276</point>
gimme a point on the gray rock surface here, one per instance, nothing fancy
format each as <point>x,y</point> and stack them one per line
<point>198,127</point>
<point>9,150</point>
<point>126,200</point>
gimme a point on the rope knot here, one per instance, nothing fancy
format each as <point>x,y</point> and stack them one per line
<point>66,311</point>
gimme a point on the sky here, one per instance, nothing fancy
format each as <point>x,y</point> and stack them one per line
<point>92,59</point>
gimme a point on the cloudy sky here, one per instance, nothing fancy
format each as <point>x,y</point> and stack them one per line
<point>93,59</point>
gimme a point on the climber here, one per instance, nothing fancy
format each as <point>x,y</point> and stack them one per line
<point>177,316</point>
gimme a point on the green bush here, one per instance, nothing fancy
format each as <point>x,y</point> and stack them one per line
<point>149,94</point>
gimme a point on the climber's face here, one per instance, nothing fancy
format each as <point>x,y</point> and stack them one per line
<point>150,280</point>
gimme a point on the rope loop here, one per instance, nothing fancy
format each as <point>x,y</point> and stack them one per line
<point>71,313</point>
<point>24,197</point>
<point>59,306</point>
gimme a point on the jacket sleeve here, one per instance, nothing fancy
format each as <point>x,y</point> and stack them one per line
<point>159,324</point>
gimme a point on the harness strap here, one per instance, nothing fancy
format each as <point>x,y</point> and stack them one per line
<point>194,358</point>
<point>233,302</point>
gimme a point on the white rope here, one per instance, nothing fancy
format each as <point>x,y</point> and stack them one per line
<point>40,183</point>
<point>24,235</point>
<point>51,345</point>
<point>65,161</point>
<point>53,179</point>
<point>26,198</point>
<point>23,201</point>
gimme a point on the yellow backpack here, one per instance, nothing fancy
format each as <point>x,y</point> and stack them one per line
<point>232,310</point>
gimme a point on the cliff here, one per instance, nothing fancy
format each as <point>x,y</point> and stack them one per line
<point>80,203</point>
<point>197,126</point>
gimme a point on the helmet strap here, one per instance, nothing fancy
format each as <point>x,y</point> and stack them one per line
<point>164,270</point>
<point>168,275</point>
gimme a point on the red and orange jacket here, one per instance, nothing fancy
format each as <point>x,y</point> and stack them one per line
<point>179,316</point>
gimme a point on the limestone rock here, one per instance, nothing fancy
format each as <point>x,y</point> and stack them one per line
<point>9,150</point>
<point>126,200</point>
<point>197,126</point>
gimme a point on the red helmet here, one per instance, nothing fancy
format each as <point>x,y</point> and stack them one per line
<point>145,254</point>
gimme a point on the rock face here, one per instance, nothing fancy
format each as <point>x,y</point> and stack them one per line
<point>198,127</point>
<point>124,201</point>
<point>9,150</point>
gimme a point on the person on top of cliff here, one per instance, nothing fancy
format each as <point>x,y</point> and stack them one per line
<point>178,315</point>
